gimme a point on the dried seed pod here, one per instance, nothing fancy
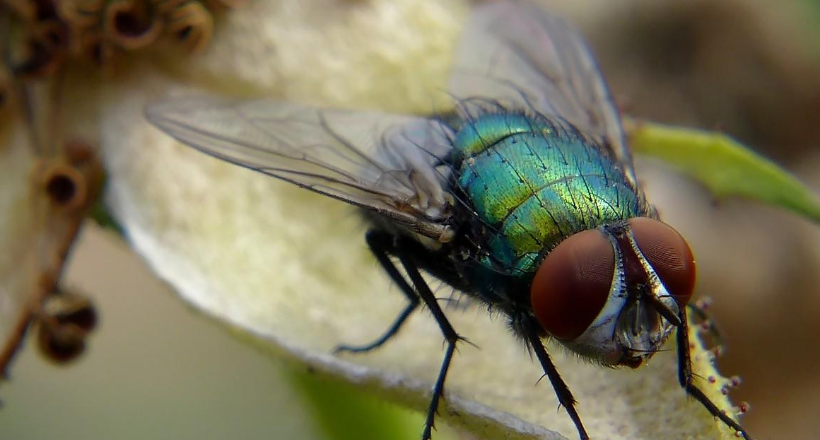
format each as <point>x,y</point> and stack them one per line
<point>65,320</point>
<point>131,24</point>
<point>61,192</point>
<point>192,25</point>
<point>65,189</point>
<point>100,30</point>
<point>60,344</point>
<point>69,307</point>
<point>65,186</point>
<point>45,48</point>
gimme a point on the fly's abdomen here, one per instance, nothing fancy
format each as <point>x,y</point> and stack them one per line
<point>534,183</point>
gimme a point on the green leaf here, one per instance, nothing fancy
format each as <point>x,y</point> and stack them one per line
<point>725,166</point>
<point>347,413</point>
<point>99,213</point>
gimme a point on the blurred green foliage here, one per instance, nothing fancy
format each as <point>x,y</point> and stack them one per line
<point>726,167</point>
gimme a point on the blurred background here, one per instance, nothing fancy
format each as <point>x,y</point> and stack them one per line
<point>155,369</point>
<point>749,68</point>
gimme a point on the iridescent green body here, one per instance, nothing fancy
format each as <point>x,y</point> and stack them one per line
<point>534,183</point>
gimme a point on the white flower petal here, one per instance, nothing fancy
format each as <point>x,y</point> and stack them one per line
<point>291,269</point>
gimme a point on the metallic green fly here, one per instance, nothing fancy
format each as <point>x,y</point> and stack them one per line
<point>524,198</point>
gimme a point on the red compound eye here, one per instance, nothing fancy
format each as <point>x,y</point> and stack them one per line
<point>572,285</point>
<point>668,254</point>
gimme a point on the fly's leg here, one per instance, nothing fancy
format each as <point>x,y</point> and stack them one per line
<point>565,397</point>
<point>698,310</point>
<point>384,245</point>
<point>686,378</point>
<point>381,245</point>
<point>450,336</point>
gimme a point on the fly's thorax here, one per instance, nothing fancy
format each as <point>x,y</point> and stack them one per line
<point>530,182</point>
<point>614,294</point>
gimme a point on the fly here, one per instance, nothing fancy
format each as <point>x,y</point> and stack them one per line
<point>525,198</point>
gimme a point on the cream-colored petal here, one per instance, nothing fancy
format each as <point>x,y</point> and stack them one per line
<point>291,269</point>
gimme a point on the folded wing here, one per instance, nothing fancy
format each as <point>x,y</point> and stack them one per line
<point>520,56</point>
<point>389,164</point>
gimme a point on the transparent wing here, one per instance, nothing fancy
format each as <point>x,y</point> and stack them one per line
<point>388,164</point>
<point>519,55</point>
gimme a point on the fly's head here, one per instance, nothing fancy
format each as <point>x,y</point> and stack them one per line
<point>614,294</point>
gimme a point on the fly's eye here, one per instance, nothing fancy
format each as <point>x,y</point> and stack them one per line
<point>572,285</point>
<point>669,254</point>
